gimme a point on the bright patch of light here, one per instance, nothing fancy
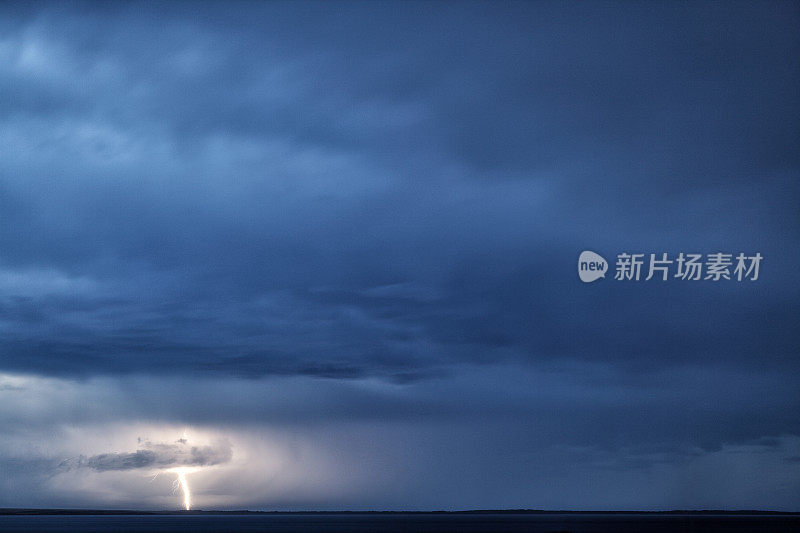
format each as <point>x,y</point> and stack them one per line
<point>182,483</point>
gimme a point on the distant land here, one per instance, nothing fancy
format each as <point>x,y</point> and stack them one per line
<point>124,512</point>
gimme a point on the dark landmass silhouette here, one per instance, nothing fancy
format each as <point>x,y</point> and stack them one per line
<point>21,511</point>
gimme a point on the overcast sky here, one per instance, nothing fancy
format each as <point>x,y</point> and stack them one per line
<point>339,242</point>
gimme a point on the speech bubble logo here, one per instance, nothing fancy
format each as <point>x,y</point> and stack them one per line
<point>591,266</point>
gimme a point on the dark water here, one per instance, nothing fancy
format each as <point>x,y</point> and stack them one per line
<point>406,523</point>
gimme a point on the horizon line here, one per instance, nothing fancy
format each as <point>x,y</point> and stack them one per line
<point>86,511</point>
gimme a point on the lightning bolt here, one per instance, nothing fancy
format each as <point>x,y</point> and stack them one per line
<point>184,485</point>
<point>180,481</point>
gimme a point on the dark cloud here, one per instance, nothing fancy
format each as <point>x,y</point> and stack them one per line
<point>254,175</point>
<point>157,456</point>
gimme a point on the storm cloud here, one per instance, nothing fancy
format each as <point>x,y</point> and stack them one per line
<point>158,456</point>
<point>338,222</point>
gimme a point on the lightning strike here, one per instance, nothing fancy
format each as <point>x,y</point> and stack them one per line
<point>187,494</point>
<point>177,457</point>
<point>182,483</point>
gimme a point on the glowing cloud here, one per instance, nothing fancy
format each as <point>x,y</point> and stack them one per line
<point>180,458</point>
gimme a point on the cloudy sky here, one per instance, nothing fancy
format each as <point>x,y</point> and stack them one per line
<point>328,253</point>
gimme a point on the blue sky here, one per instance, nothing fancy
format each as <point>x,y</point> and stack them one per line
<point>341,239</point>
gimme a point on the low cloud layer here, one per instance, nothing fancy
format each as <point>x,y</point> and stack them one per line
<point>158,456</point>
